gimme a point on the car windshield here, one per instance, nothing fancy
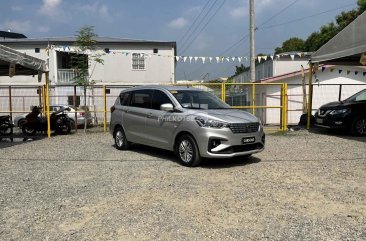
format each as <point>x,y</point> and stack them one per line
<point>193,99</point>
<point>360,96</point>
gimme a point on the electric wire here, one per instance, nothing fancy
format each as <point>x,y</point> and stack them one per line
<point>204,27</point>
<point>198,25</point>
<point>181,39</point>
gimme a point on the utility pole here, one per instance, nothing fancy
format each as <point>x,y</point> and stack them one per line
<point>252,49</point>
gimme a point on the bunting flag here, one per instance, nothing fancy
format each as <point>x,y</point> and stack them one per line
<point>364,73</point>
<point>348,72</point>
<point>323,68</point>
<point>331,69</point>
<point>340,71</point>
<point>192,59</point>
<point>356,72</point>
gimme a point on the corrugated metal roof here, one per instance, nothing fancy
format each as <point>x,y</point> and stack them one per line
<point>100,40</point>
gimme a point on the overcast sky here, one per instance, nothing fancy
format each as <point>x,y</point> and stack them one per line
<point>222,24</point>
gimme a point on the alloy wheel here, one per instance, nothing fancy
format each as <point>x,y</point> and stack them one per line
<point>119,138</point>
<point>361,126</point>
<point>185,151</point>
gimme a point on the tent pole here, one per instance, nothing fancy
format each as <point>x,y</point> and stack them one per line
<point>48,106</point>
<point>310,94</point>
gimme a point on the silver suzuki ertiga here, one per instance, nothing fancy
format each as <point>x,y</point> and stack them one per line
<point>191,122</point>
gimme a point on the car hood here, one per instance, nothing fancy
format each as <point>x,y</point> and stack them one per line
<point>336,105</point>
<point>226,115</point>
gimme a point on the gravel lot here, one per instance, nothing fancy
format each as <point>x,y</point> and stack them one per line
<point>304,186</point>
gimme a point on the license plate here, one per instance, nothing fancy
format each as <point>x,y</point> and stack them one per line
<point>319,121</point>
<point>247,140</point>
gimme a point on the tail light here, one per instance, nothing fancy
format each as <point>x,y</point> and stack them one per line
<point>113,108</point>
<point>82,113</point>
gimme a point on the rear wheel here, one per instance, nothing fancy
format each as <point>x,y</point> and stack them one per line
<point>5,129</point>
<point>187,151</point>
<point>359,126</point>
<point>120,139</point>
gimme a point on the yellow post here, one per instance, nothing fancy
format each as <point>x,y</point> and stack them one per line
<point>223,91</point>
<point>310,92</point>
<point>286,107</point>
<point>253,98</point>
<point>105,108</point>
<point>282,109</point>
<point>48,106</point>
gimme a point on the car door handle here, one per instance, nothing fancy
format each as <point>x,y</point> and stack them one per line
<point>126,111</point>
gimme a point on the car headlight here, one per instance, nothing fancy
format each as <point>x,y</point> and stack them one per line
<point>260,127</point>
<point>337,112</point>
<point>211,123</point>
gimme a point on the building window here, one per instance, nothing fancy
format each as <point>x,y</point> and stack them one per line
<point>106,50</point>
<point>156,51</point>
<point>70,100</point>
<point>36,50</point>
<point>138,61</point>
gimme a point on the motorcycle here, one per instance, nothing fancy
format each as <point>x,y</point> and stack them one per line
<point>6,125</point>
<point>59,120</point>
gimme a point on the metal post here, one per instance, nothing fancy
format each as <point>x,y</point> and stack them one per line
<point>76,114</point>
<point>253,99</point>
<point>340,92</point>
<point>286,107</point>
<point>48,106</point>
<point>105,107</point>
<point>282,108</point>
<point>310,96</point>
<point>10,104</point>
<point>224,92</point>
<point>252,42</point>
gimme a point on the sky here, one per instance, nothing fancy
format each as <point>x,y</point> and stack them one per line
<point>206,28</point>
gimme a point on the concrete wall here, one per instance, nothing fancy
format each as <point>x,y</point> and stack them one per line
<point>117,68</point>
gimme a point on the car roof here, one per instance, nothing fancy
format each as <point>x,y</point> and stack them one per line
<point>163,87</point>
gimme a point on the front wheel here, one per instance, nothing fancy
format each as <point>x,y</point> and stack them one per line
<point>120,139</point>
<point>359,126</point>
<point>187,151</point>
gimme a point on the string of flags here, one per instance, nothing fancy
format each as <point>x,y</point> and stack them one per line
<point>184,59</point>
<point>340,71</point>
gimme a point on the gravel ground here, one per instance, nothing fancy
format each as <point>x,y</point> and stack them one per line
<point>304,186</point>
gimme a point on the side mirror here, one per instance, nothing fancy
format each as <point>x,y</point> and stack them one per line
<point>167,107</point>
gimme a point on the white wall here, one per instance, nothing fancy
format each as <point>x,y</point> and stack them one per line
<point>117,68</point>
<point>322,94</point>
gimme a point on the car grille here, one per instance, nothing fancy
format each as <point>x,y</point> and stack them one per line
<point>244,127</point>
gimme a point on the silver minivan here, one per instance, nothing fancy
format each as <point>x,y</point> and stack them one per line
<point>191,122</point>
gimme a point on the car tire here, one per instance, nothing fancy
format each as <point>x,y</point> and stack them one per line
<point>120,139</point>
<point>359,126</point>
<point>187,151</point>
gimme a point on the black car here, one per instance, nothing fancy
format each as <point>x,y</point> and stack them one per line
<point>349,114</point>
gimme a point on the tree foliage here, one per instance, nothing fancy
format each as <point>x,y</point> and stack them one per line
<point>85,46</point>
<point>292,44</point>
<point>326,32</point>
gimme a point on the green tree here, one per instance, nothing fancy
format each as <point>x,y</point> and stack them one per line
<point>86,56</point>
<point>290,45</point>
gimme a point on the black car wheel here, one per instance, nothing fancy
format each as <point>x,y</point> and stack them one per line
<point>120,139</point>
<point>187,151</point>
<point>359,126</point>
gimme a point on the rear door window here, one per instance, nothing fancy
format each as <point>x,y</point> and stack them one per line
<point>141,99</point>
<point>124,98</point>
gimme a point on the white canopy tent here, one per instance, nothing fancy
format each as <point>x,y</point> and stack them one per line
<point>13,62</point>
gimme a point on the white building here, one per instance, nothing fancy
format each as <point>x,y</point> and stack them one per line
<point>330,83</point>
<point>126,61</point>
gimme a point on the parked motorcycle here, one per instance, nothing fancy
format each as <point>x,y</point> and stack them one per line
<point>60,122</point>
<point>6,125</point>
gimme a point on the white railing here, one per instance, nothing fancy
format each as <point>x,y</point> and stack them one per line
<point>66,75</point>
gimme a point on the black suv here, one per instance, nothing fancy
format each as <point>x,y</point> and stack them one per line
<point>349,114</point>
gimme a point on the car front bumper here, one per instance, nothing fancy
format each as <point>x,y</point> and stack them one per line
<point>223,143</point>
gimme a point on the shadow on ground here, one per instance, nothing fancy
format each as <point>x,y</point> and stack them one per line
<point>205,163</point>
